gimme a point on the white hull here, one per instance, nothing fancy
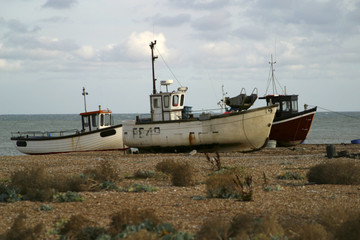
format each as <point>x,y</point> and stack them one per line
<point>242,131</point>
<point>105,139</point>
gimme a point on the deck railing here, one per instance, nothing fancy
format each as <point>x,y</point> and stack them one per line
<point>38,134</point>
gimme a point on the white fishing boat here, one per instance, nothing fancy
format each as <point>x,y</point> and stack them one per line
<point>173,128</point>
<point>97,134</point>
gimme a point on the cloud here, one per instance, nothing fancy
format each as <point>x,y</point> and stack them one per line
<point>9,66</point>
<point>59,4</point>
<point>171,21</point>
<point>30,41</point>
<point>135,48</point>
<point>54,19</point>
<point>216,21</point>
<point>86,52</point>
<point>200,4</point>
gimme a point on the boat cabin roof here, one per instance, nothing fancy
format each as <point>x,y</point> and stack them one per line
<point>280,98</point>
<point>96,119</point>
<point>95,112</point>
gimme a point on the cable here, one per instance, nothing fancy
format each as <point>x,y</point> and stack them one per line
<point>168,66</point>
<point>334,112</point>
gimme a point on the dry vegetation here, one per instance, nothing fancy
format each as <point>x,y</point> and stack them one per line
<point>278,193</point>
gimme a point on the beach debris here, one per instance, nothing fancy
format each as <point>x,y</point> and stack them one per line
<point>331,153</point>
<point>193,152</point>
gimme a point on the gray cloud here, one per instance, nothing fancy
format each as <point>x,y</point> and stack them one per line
<point>59,4</point>
<point>199,4</point>
<point>213,22</point>
<point>306,16</point>
<point>54,19</point>
<point>171,21</point>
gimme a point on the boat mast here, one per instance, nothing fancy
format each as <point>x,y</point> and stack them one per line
<point>222,102</point>
<point>152,45</point>
<point>272,75</point>
<point>84,93</point>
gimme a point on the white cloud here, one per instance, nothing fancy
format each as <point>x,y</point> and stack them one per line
<point>137,44</point>
<point>86,52</point>
<point>10,66</point>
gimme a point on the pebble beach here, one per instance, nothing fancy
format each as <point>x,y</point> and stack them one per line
<point>294,202</point>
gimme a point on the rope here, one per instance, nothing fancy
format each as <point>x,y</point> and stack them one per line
<point>339,113</point>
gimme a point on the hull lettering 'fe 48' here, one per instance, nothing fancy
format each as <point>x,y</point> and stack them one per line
<point>97,134</point>
<point>173,128</point>
<point>290,126</point>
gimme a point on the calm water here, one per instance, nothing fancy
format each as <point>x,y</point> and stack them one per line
<point>328,127</point>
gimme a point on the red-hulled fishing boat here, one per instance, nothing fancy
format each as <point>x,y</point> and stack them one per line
<point>290,126</point>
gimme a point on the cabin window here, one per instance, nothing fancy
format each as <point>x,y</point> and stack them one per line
<point>182,100</point>
<point>86,121</point>
<point>156,102</point>
<point>166,101</point>
<point>107,120</point>
<point>294,105</point>
<point>94,120</point>
<point>175,100</point>
<point>286,106</point>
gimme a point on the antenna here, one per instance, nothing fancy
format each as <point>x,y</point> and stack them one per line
<point>84,93</point>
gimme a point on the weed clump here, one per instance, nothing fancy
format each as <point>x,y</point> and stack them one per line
<point>104,172</point>
<point>36,185</point>
<point>215,162</point>
<point>336,172</point>
<point>33,184</point>
<point>290,176</point>
<point>128,224</point>
<point>126,217</point>
<point>230,183</point>
<point>144,174</point>
<point>102,177</point>
<point>78,227</point>
<point>8,193</point>
<point>313,231</point>
<point>166,166</point>
<point>19,230</point>
<point>242,226</point>
<point>182,173</point>
<point>139,188</point>
<point>69,197</point>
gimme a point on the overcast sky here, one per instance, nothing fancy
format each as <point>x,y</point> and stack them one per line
<point>51,49</point>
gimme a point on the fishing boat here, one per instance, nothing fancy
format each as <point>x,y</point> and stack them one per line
<point>290,126</point>
<point>172,127</point>
<point>97,134</point>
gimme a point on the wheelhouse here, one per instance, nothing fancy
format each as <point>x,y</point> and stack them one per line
<point>96,120</point>
<point>167,106</point>
<point>287,104</point>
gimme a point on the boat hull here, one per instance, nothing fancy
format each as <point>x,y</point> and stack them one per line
<point>100,140</point>
<point>292,130</point>
<point>242,131</point>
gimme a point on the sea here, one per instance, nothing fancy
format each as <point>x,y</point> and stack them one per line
<point>327,127</point>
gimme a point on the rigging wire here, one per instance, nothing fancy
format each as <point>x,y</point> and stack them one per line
<point>339,113</point>
<point>168,67</point>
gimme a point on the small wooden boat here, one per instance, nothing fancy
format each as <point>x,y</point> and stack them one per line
<point>290,126</point>
<point>355,141</point>
<point>97,134</point>
<point>172,127</point>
